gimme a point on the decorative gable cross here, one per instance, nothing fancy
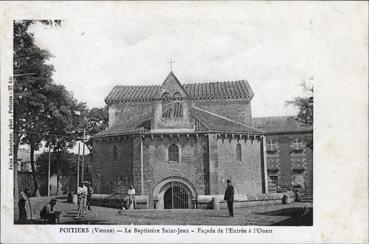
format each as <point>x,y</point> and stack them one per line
<point>171,62</point>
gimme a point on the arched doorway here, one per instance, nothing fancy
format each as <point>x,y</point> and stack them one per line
<point>175,197</point>
<point>174,193</point>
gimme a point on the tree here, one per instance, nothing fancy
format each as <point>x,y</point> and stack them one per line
<point>92,120</point>
<point>97,121</point>
<point>305,115</point>
<point>31,76</point>
<point>68,160</point>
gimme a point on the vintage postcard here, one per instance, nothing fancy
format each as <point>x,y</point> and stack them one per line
<point>217,122</point>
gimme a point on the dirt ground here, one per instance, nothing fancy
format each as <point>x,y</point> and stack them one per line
<point>297,213</point>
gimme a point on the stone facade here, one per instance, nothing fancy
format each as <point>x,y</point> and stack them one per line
<point>177,142</point>
<point>110,166</point>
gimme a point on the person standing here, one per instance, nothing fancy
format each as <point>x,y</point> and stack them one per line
<point>22,199</point>
<point>229,197</point>
<point>90,190</point>
<point>82,199</point>
<point>131,193</point>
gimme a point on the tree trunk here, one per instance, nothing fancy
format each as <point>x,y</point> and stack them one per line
<point>57,172</point>
<point>37,192</point>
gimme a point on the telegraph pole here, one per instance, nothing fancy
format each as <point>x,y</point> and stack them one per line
<point>83,154</point>
<point>48,175</point>
<point>79,144</point>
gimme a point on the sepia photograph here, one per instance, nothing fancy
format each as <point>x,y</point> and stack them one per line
<point>169,118</point>
<point>166,152</point>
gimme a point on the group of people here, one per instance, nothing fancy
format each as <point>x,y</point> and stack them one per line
<point>47,213</point>
<point>84,192</point>
<point>84,198</point>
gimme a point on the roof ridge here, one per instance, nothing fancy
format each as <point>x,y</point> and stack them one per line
<point>136,86</point>
<point>205,82</point>
<point>219,81</point>
<point>220,116</point>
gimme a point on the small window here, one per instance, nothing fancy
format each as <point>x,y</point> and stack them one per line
<point>165,97</point>
<point>297,144</point>
<point>115,152</point>
<point>272,145</point>
<point>173,153</point>
<point>238,152</point>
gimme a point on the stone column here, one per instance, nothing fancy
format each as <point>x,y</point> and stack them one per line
<point>213,165</point>
<point>264,166</point>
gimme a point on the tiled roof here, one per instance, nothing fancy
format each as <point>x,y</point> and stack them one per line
<point>205,121</point>
<point>279,124</point>
<point>135,124</point>
<point>217,123</point>
<point>210,90</point>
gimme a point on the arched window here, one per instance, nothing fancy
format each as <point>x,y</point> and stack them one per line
<point>177,96</point>
<point>165,97</point>
<point>165,103</point>
<point>172,107</point>
<point>173,153</point>
<point>115,152</point>
<point>238,152</point>
<point>178,106</point>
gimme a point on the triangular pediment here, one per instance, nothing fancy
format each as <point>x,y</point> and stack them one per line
<point>171,86</point>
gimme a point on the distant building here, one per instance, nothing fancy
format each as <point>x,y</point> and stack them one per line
<point>174,142</point>
<point>289,159</point>
<point>24,159</point>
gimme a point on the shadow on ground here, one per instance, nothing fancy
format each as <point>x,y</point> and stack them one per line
<point>298,216</point>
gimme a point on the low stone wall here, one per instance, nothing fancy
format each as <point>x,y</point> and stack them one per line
<point>205,201</point>
<point>118,201</point>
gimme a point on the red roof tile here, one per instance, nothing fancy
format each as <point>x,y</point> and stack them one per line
<point>211,90</point>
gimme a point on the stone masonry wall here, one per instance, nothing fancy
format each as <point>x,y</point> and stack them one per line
<point>238,110</point>
<point>246,175</point>
<point>157,168</point>
<point>106,169</point>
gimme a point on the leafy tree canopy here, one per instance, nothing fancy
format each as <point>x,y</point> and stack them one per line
<point>305,115</point>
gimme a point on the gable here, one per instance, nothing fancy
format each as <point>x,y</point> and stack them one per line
<point>171,86</point>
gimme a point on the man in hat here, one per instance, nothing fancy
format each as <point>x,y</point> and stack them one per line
<point>229,197</point>
<point>48,212</point>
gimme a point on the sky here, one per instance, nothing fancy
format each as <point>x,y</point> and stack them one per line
<point>132,46</point>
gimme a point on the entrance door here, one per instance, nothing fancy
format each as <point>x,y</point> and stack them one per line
<point>175,197</point>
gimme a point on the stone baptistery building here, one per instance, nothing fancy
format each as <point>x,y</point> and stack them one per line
<point>176,141</point>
